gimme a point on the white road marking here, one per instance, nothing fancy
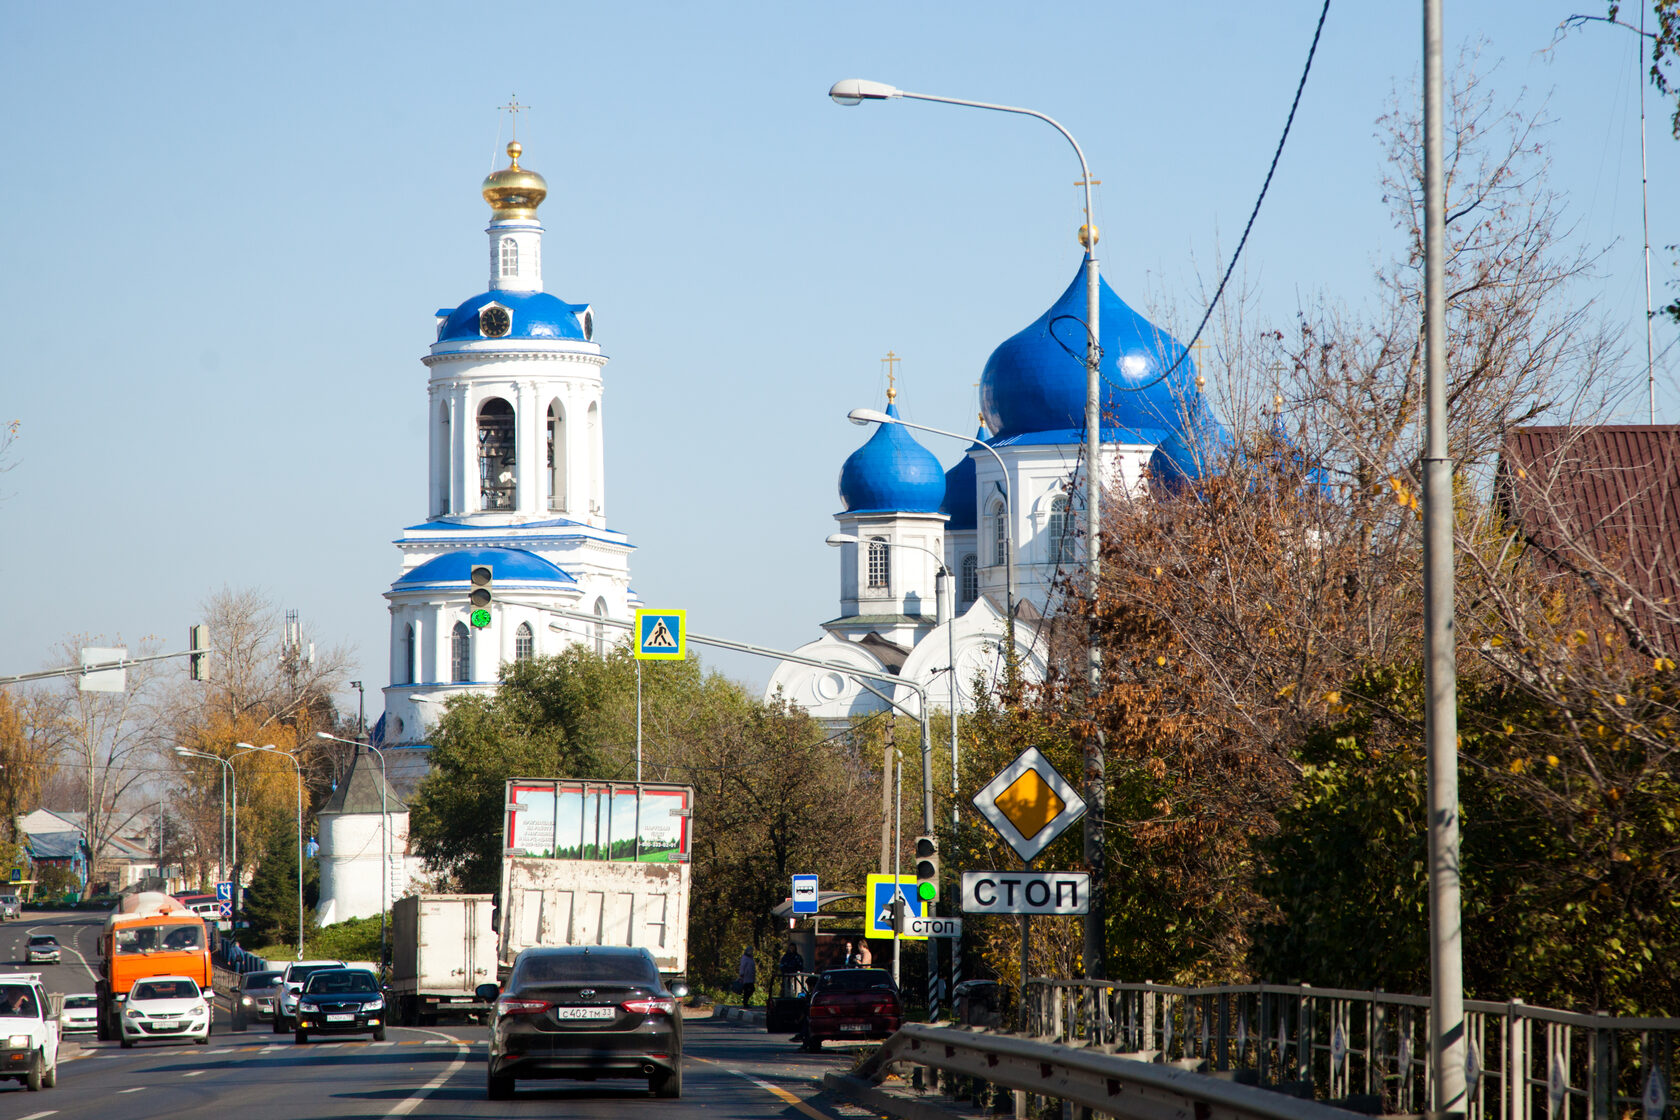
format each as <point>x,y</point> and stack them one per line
<point>272,1049</point>
<point>193,1073</point>
<point>39,1115</point>
<point>431,1087</point>
<point>225,1050</point>
<point>136,1089</point>
<point>376,1045</point>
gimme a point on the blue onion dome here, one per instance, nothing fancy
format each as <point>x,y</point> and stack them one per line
<point>960,497</point>
<point>892,473</point>
<point>529,315</point>
<point>1192,454</point>
<point>1033,387</point>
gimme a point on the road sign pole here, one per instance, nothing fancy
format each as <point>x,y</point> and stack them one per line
<point>898,812</point>
<point>638,721</point>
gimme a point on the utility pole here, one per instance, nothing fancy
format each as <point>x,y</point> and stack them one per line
<point>1446,948</point>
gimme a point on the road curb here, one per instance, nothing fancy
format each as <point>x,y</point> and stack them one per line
<point>899,1104</point>
<point>751,1016</point>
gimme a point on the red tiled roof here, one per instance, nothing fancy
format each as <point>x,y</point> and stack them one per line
<point>1603,500</point>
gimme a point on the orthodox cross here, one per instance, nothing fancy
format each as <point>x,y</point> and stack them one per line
<point>514,108</point>
<point>890,361</point>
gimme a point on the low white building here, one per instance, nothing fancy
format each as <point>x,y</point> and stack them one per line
<point>360,834</point>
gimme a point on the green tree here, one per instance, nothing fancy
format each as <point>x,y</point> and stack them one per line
<point>271,901</point>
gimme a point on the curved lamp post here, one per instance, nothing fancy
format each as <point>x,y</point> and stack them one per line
<point>836,540</point>
<point>854,91</point>
<point>228,777</point>
<point>298,766</point>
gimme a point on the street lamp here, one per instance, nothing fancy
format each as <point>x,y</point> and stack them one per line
<point>384,835</point>
<point>289,757</point>
<point>853,91</point>
<point>226,778</point>
<point>835,540</point>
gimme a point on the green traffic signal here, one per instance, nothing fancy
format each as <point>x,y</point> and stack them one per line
<point>927,892</point>
<point>479,618</point>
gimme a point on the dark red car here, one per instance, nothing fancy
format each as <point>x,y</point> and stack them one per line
<point>852,1003</point>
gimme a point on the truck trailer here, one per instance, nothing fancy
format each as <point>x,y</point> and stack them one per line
<point>597,863</point>
<point>442,947</point>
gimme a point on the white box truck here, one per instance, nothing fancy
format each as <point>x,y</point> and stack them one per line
<point>442,947</point>
<point>597,863</point>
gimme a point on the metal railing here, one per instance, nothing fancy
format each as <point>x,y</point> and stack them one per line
<point>1371,1049</point>
<point>971,1061</point>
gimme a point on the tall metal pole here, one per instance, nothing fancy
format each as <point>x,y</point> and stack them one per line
<point>1645,217</point>
<point>898,848</point>
<point>1446,950</point>
<point>384,852</point>
<point>638,721</point>
<point>1096,785</point>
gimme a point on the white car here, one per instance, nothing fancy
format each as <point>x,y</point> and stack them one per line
<point>81,1013</point>
<point>164,1009</point>
<point>28,1031</point>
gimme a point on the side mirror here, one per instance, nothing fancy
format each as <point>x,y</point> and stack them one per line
<point>678,989</point>
<point>209,994</point>
<point>487,992</point>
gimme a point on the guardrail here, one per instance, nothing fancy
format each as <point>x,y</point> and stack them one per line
<point>1371,1049</point>
<point>1109,1084</point>
<point>235,959</point>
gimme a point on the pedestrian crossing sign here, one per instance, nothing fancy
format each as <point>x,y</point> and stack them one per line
<point>878,892</point>
<point>661,635</point>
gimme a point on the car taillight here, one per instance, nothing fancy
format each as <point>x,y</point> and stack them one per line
<point>650,1006</point>
<point>822,1009</point>
<point>513,1005</point>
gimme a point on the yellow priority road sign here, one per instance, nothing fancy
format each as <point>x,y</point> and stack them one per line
<point>661,635</point>
<point>1029,803</point>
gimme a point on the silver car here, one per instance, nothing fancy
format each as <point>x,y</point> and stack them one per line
<point>10,907</point>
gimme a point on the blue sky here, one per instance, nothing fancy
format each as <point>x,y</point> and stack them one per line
<point>224,230</point>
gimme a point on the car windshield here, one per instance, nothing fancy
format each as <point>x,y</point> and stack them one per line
<point>165,989</point>
<point>855,980</point>
<point>254,980</point>
<point>300,974</point>
<point>43,939</point>
<point>342,981</point>
<point>563,968</point>
<point>80,1003</point>
<point>17,1001</point>
<point>151,939</point>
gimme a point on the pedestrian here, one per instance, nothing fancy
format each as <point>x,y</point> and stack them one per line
<point>850,959</point>
<point>863,958</point>
<point>747,977</point>
<point>792,961</point>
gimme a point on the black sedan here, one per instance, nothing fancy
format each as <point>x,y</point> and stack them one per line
<point>585,1012</point>
<point>341,1001</point>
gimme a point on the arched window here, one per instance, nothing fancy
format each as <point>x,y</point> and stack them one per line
<point>600,628</point>
<point>495,455</point>
<point>524,643</point>
<point>1061,531</point>
<point>460,653</point>
<point>411,666</point>
<point>970,578</point>
<point>880,563</point>
<point>510,257</point>
<point>556,458</point>
<point>1000,534</point>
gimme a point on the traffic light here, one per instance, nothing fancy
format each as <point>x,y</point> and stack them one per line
<point>198,645</point>
<point>927,871</point>
<point>479,596</point>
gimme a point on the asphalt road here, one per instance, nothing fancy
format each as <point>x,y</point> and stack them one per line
<point>728,1071</point>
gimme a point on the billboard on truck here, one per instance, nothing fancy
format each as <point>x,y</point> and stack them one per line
<point>597,863</point>
<point>616,822</point>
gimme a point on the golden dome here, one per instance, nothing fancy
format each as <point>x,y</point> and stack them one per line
<point>514,192</point>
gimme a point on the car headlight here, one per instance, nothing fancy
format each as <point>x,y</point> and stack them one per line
<point>17,1042</point>
<point>246,1001</point>
<point>306,1005</point>
<point>135,1013</point>
<point>374,1005</point>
